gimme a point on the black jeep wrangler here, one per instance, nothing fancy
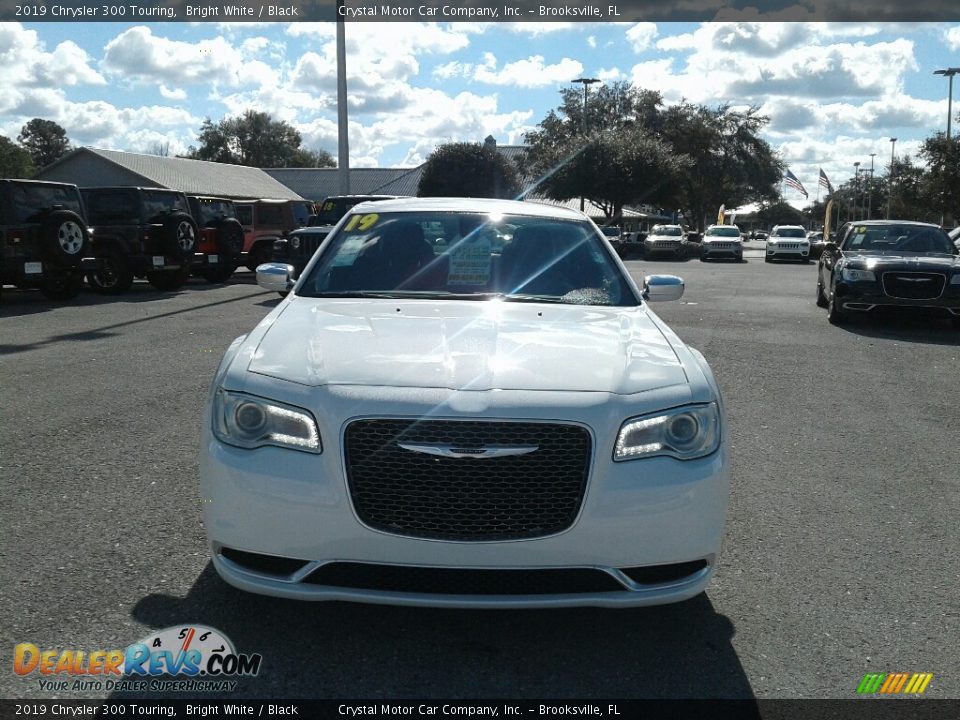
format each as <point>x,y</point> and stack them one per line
<point>44,237</point>
<point>140,232</point>
<point>299,246</point>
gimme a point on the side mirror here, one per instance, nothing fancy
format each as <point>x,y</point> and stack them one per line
<point>830,247</point>
<point>661,288</point>
<point>277,277</point>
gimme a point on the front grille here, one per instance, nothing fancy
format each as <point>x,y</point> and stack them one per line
<point>309,242</point>
<point>913,285</point>
<point>466,498</point>
<point>786,246</point>
<point>463,581</point>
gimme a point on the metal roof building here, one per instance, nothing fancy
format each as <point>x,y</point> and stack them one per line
<point>90,167</point>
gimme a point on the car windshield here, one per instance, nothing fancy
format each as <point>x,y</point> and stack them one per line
<point>29,200</point>
<point>669,230</point>
<point>790,232</point>
<point>210,211</point>
<point>895,238</point>
<point>610,231</point>
<point>723,232</point>
<point>467,256</point>
<point>158,204</point>
<point>301,213</point>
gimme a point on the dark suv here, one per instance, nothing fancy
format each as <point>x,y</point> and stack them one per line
<point>299,245</point>
<point>140,232</point>
<point>44,237</point>
<point>221,237</point>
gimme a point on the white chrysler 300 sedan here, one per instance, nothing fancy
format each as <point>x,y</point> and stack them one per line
<point>463,421</point>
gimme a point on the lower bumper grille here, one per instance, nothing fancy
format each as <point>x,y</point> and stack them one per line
<point>458,581</point>
<point>913,285</point>
<point>466,498</point>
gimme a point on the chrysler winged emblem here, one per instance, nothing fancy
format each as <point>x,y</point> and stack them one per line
<point>476,453</point>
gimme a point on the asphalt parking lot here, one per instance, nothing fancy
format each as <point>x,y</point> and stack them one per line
<point>841,545</point>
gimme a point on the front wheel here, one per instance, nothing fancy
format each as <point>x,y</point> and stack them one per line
<point>835,315</point>
<point>217,274</point>
<point>821,298</point>
<point>113,278</point>
<point>767,258</point>
<point>258,256</point>
<point>169,279</point>
<point>61,284</point>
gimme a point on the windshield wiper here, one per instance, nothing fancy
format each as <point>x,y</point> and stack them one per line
<point>521,297</point>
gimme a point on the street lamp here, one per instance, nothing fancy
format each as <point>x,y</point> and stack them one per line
<point>343,136</point>
<point>587,82</point>
<point>870,188</point>
<point>893,144</point>
<point>948,73</point>
<point>856,189</point>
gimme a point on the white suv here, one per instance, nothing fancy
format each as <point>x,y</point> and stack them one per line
<point>666,239</point>
<point>723,241</point>
<point>788,242</point>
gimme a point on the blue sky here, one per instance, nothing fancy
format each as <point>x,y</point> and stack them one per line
<point>834,92</point>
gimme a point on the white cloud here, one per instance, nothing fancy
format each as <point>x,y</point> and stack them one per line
<point>25,62</point>
<point>592,41</point>
<point>641,36</point>
<point>172,94</point>
<point>528,73</point>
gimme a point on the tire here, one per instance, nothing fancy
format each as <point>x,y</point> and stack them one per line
<point>821,298</point>
<point>218,274</point>
<point>114,276</point>
<point>835,315</point>
<point>167,280</point>
<point>180,236</point>
<point>65,238</point>
<point>767,259</point>
<point>259,255</point>
<point>61,284</point>
<point>703,258</point>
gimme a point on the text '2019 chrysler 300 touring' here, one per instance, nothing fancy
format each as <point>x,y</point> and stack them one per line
<point>465,421</point>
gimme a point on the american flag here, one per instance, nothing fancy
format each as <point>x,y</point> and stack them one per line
<point>824,182</point>
<point>790,179</point>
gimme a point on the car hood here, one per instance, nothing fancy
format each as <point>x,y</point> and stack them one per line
<point>889,261</point>
<point>474,345</point>
<point>721,238</point>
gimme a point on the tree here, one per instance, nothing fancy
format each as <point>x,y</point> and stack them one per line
<point>468,170</point>
<point>45,141</point>
<point>15,161</point>
<point>732,164</point>
<point>942,180</point>
<point>312,159</point>
<point>254,139</point>
<point>607,150</point>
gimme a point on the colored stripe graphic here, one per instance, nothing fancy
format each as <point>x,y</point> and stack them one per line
<point>894,683</point>
<point>871,683</point>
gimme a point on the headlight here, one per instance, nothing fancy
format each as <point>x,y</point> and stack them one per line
<point>684,433</point>
<point>251,422</point>
<point>295,243</point>
<point>858,275</point>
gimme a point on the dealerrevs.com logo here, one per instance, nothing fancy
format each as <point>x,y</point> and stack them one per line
<point>192,658</point>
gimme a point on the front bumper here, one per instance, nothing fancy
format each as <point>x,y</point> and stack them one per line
<point>798,252</point>
<point>652,248</point>
<point>868,296</point>
<point>634,515</point>
<point>727,250</point>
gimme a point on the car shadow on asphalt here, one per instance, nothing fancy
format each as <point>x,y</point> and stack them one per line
<point>349,650</point>
<point>904,328</point>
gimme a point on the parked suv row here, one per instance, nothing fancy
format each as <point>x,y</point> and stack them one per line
<point>53,235</point>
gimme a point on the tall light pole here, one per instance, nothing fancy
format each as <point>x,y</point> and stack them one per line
<point>856,189</point>
<point>893,144</point>
<point>948,73</point>
<point>587,82</point>
<point>870,188</point>
<point>343,145</point>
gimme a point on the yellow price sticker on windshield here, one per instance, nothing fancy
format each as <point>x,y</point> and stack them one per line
<point>362,222</point>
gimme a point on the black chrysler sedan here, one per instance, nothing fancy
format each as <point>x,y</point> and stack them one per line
<point>881,264</point>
